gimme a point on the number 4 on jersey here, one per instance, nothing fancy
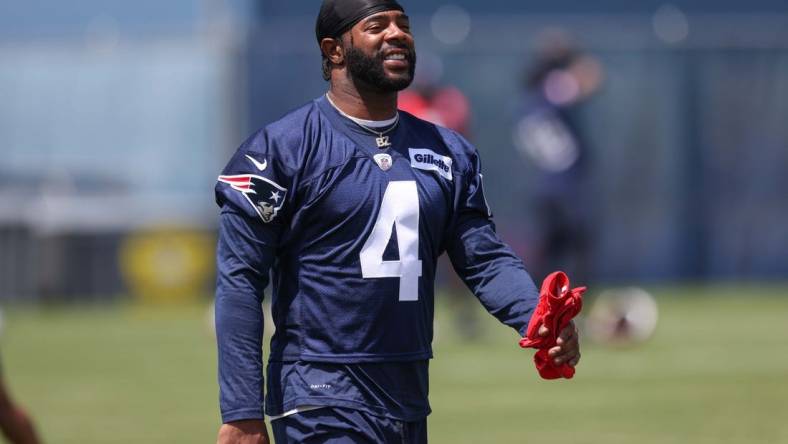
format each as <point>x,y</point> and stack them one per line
<point>400,209</point>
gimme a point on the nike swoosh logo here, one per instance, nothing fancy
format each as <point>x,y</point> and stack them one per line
<point>260,166</point>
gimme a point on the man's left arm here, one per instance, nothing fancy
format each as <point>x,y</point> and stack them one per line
<point>499,280</point>
<point>489,267</point>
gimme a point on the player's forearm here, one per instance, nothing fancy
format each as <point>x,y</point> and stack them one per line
<point>509,296</point>
<point>495,275</point>
<point>239,331</point>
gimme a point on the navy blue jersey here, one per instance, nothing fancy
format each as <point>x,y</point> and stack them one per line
<point>395,390</point>
<point>351,234</point>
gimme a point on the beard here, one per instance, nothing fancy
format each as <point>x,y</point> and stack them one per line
<point>369,69</point>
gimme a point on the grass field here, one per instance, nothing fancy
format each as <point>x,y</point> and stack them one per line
<point>715,372</point>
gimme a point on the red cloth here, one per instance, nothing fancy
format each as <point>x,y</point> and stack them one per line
<point>557,306</point>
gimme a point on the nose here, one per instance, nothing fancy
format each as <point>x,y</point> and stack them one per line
<point>396,33</point>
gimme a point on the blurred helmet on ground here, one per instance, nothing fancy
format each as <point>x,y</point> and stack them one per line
<point>626,316</point>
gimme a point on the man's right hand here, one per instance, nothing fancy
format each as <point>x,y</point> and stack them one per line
<point>248,431</point>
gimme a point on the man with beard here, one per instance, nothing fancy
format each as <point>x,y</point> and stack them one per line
<point>366,198</point>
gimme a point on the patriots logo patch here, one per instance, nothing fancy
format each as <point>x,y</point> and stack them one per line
<point>266,196</point>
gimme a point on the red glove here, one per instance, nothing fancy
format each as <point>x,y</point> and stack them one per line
<point>557,306</point>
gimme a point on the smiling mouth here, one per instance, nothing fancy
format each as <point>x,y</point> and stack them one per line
<point>397,61</point>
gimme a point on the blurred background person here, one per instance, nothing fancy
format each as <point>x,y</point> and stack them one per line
<point>434,101</point>
<point>15,423</point>
<point>549,136</point>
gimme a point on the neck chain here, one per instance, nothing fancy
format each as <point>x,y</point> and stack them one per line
<point>382,140</point>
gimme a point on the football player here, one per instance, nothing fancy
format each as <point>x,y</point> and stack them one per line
<point>348,203</point>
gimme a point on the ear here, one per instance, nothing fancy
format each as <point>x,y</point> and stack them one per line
<point>333,50</point>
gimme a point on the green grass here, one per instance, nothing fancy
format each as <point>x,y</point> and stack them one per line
<point>715,372</point>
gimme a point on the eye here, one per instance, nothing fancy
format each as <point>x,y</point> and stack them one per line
<point>373,27</point>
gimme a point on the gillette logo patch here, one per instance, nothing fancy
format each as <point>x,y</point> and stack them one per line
<point>425,159</point>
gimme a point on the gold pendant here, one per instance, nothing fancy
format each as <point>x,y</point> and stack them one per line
<point>383,141</point>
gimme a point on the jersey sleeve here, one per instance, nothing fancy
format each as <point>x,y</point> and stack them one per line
<point>252,192</point>
<point>483,261</point>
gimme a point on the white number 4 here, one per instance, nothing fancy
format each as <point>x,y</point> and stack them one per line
<point>400,209</point>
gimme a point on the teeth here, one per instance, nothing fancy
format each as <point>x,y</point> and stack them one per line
<point>396,57</point>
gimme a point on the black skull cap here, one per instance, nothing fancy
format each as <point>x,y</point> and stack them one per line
<point>337,16</point>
